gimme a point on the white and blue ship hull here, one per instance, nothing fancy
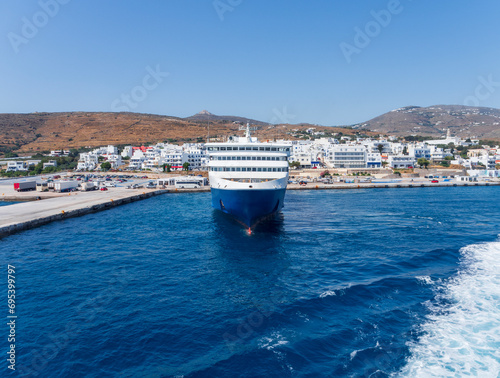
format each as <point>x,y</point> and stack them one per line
<point>249,206</point>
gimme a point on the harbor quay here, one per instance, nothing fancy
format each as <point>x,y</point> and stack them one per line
<point>38,208</point>
<point>34,213</point>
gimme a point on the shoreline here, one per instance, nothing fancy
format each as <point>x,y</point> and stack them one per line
<point>38,209</point>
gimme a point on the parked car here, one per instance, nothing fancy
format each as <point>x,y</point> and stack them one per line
<point>104,189</point>
<point>435,181</point>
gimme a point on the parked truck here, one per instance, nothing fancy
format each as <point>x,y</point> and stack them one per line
<point>65,186</point>
<point>25,186</point>
<point>87,186</point>
<point>42,186</point>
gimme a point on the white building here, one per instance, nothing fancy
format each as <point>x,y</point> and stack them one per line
<point>88,161</point>
<point>345,156</point>
<point>136,160</point>
<point>419,150</point>
<point>373,160</point>
<point>16,166</point>
<point>127,151</point>
<point>50,163</point>
<point>401,161</point>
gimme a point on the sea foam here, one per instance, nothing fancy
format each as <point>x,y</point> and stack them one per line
<point>461,336</point>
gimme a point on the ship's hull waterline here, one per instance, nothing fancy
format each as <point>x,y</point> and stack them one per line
<point>248,205</point>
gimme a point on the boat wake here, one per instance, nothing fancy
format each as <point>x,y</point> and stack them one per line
<point>461,336</point>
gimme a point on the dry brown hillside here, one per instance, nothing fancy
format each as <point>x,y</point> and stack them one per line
<point>48,131</point>
<point>463,121</point>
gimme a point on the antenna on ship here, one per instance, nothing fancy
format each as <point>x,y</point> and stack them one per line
<point>247,130</point>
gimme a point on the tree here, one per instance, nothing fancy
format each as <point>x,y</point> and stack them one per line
<point>423,162</point>
<point>106,166</point>
<point>405,150</point>
<point>380,148</point>
<point>73,152</point>
<point>167,168</point>
<point>294,164</point>
<point>384,163</point>
<point>101,158</point>
<point>185,166</point>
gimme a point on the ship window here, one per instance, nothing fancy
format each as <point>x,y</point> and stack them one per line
<point>273,148</point>
<point>254,169</point>
<point>255,148</point>
<point>238,157</point>
<point>268,148</point>
<point>248,148</point>
<point>238,169</point>
<point>223,148</point>
<point>274,169</point>
<point>259,169</point>
<point>254,158</point>
<point>233,169</point>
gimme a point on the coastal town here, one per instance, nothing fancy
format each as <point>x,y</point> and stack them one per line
<point>340,154</point>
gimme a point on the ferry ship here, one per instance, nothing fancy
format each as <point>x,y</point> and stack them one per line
<point>248,178</point>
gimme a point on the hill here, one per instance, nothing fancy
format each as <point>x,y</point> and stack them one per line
<point>463,121</point>
<point>26,133</point>
<point>206,116</point>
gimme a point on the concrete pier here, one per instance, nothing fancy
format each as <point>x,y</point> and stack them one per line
<point>31,214</point>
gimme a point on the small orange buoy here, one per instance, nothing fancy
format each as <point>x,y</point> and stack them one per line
<point>249,231</point>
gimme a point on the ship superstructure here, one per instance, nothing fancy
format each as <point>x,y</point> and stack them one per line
<point>248,178</point>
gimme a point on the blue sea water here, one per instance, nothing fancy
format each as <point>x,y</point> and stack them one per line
<point>343,283</point>
<point>7,203</point>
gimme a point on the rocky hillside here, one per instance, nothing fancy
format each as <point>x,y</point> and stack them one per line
<point>206,116</point>
<point>464,121</point>
<point>33,132</point>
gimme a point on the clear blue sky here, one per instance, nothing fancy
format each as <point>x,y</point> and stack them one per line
<point>277,60</point>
